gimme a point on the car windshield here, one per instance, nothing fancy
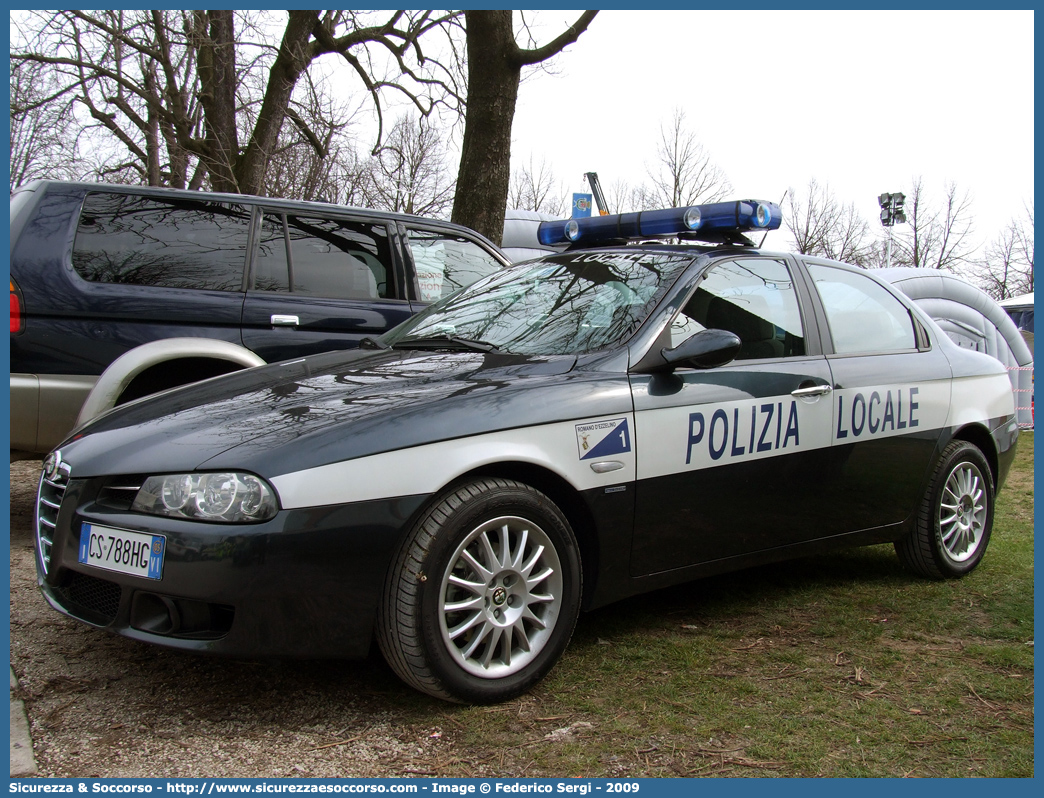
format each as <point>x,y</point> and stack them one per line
<point>564,304</point>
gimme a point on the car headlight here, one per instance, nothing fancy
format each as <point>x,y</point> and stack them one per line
<point>226,497</point>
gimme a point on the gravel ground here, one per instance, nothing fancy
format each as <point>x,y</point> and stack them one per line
<point>103,706</point>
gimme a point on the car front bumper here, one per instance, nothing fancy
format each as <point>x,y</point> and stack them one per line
<point>305,584</point>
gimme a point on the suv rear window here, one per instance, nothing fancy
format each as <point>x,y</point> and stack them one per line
<point>135,240</point>
<point>327,257</point>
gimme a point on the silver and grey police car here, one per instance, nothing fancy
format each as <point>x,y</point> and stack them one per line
<point>608,420</point>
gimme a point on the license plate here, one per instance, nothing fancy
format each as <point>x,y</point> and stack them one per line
<point>122,550</point>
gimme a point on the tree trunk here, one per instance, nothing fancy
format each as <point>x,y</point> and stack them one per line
<point>495,64</point>
<point>494,70</point>
<point>215,31</point>
<point>286,69</point>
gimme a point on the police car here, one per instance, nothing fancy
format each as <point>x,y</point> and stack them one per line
<point>611,419</point>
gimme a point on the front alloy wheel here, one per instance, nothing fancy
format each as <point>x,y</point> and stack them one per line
<point>500,597</point>
<point>482,599</point>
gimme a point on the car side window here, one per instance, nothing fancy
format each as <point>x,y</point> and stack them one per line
<point>323,257</point>
<point>753,298</point>
<point>446,263</point>
<point>863,316</point>
<point>137,240</point>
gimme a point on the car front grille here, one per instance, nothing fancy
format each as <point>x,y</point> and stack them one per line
<point>53,483</point>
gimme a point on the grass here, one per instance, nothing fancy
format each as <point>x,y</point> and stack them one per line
<point>840,665</point>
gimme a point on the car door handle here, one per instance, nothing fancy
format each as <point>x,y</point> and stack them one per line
<point>815,390</point>
<point>279,320</point>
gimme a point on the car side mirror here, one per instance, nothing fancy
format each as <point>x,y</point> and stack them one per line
<point>706,349</point>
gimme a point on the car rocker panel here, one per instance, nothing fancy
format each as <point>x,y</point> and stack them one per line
<point>469,482</point>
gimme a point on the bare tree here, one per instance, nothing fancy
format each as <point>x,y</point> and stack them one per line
<point>822,226</point>
<point>684,173</point>
<point>201,97</point>
<point>850,244</point>
<point>297,169</point>
<point>126,72</point>
<point>809,218</point>
<point>533,188</point>
<point>877,255</point>
<point>495,64</point>
<point>622,197</point>
<point>936,237</point>
<point>410,174</point>
<point>39,145</point>
<point>1006,270</point>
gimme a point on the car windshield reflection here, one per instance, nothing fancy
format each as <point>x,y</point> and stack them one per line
<point>567,304</point>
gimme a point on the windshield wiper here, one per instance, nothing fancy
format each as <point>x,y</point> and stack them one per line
<point>446,342</point>
<point>371,343</point>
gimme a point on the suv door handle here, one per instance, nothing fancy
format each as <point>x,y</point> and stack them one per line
<point>285,321</point>
<point>815,390</point>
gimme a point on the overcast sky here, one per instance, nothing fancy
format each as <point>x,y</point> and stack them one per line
<point>861,101</point>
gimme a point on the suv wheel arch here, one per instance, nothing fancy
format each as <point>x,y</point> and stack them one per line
<point>121,373</point>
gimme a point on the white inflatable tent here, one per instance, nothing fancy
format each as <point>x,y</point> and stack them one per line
<point>973,320</point>
<point>520,235</point>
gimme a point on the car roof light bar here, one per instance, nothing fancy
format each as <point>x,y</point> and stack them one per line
<point>715,221</point>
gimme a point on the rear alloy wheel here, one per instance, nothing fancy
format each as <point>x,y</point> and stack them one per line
<point>484,595</point>
<point>956,516</point>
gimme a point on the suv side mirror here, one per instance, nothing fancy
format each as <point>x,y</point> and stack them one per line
<point>706,349</point>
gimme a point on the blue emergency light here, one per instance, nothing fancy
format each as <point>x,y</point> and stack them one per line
<point>715,221</point>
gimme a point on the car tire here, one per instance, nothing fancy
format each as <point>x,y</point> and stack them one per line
<point>953,524</point>
<point>482,599</point>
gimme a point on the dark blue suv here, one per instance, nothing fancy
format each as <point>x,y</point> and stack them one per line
<point>118,292</point>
